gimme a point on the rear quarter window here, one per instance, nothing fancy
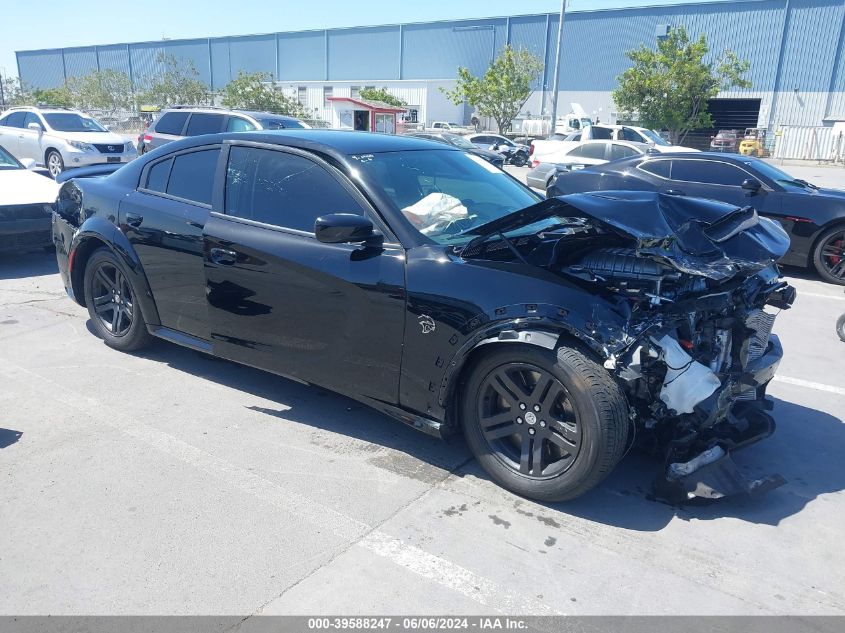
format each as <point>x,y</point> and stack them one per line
<point>171,123</point>
<point>660,168</point>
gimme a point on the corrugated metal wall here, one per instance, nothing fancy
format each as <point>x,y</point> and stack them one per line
<point>789,43</point>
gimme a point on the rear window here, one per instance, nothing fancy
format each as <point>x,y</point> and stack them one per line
<point>157,176</point>
<point>202,123</point>
<point>171,123</point>
<point>192,176</point>
<point>281,124</point>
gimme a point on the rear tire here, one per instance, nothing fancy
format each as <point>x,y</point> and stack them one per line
<point>840,328</point>
<point>829,255</point>
<point>112,303</point>
<point>547,425</point>
<point>520,160</point>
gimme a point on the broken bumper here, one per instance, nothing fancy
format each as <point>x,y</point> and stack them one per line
<point>739,409</point>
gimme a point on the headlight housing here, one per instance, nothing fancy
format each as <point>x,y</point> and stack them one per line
<point>82,147</point>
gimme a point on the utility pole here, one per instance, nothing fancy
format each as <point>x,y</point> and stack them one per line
<point>2,94</point>
<point>556,78</point>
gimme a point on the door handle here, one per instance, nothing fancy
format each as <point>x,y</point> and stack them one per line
<point>134,219</point>
<point>223,257</point>
<point>675,192</point>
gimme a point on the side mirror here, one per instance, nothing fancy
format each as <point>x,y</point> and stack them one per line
<point>28,163</point>
<point>35,127</point>
<point>751,185</point>
<point>339,228</point>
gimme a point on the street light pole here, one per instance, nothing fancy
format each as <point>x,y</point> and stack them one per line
<point>556,78</point>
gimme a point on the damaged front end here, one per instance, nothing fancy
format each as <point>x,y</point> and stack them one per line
<point>697,287</point>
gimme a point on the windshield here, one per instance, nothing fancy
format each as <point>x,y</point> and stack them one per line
<point>773,173</point>
<point>70,122</point>
<point>460,141</point>
<point>444,194</point>
<point>7,161</point>
<point>281,124</point>
<point>654,137</point>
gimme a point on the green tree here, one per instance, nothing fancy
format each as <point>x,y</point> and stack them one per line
<point>176,84</point>
<point>256,91</point>
<point>13,93</point>
<point>503,89</point>
<point>381,94</point>
<point>668,88</point>
<point>50,96</point>
<point>105,90</point>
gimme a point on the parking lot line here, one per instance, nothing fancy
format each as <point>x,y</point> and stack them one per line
<point>819,295</point>
<point>809,384</point>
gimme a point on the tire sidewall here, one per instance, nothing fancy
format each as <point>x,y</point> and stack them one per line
<point>588,417</point>
<point>137,334</point>
<point>817,256</point>
<point>50,154</point>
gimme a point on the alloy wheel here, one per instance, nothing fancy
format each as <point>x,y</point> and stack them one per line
<point>833,255</point>
<point>528,420</point>
<point>54,164</point>
<point>113,300</point>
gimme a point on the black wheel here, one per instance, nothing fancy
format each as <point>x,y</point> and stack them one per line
<point>519,160</point>
<point>840,328</point>
<point>55,163</point>
<point>112,304</point>
<point>829,255</point>
<point>546,425</point>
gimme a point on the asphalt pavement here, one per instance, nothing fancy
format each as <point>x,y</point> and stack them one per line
<point>167,482</point>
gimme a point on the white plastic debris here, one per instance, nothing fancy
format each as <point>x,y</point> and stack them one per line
<point>687,381</point>
<point>435,212</point>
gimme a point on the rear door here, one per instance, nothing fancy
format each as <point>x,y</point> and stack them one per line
<point>164,220</point>
<point>29,141</point>
<point>10,131</point>
<point>331,314</point>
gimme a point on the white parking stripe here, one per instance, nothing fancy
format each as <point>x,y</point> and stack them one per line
<point>809,384</point>
<point>452,576</point>
<point>819,295</point>
<point>350,530</point>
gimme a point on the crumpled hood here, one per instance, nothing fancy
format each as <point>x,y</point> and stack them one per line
<point>696,236</point>
<point>21,186</point>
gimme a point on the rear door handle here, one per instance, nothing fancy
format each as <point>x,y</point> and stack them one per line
<point>675,192</point>
<point>134,219</point>
<point>223,257</point>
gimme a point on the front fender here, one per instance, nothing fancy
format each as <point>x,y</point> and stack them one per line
<point>94,233</point>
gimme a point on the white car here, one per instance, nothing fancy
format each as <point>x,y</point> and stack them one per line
<point>580,155</point>
<point>61,139</point>
<point>26,204</point>
<point>549,151</point>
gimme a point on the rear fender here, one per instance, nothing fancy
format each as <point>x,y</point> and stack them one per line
<point>97,232</point>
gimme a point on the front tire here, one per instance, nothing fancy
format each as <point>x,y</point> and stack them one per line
<point>829,255</point>
<point>547,425</point>
<point>55,163</point>
<point>112,303</point>
<point>519,160</point>
<point>840,328</point>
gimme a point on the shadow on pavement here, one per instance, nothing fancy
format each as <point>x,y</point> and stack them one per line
<point>806,449</point>
<point>9,437</point>
<point>29,264</point>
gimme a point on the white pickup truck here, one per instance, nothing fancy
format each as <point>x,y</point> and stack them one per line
<point>552,151</point>
<point>444,126</point>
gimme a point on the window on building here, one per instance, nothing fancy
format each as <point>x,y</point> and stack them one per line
<point>302,95</point>
<point>355,92</point>
<point>385,123</point>
<point>328,91</point>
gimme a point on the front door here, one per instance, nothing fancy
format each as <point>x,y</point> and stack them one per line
<point>278,299</point>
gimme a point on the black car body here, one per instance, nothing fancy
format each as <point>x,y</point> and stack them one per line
<point>456,140</point>
<point>813,217</point>
<point>539,327</point>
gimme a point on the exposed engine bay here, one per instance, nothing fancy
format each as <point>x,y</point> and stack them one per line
<point>697,290</point>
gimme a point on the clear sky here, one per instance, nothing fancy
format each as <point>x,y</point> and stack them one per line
<point>25,24</point>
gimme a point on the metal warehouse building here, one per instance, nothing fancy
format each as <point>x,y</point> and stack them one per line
<point>795,48</point>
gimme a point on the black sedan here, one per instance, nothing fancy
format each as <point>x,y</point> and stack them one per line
<point>813,217</point>
<point>434,287</point>
<point>461,142</point>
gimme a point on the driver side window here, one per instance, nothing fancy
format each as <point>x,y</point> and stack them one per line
<point>282,189</point>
